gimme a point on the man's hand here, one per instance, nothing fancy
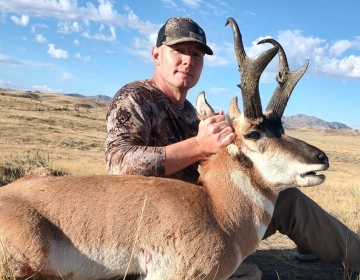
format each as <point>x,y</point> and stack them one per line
<point>214,132</point>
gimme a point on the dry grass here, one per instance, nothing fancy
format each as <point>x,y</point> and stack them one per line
<point>41,137</point>
<point>70,140</point>
<point>5,272</point>
<point>340,194</point>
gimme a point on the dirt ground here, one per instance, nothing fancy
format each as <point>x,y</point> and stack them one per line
<point>275,257</point>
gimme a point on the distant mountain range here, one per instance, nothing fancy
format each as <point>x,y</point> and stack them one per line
<point>304,121</point>
<point>93,98</point>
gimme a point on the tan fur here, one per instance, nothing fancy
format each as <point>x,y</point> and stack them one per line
<point>85,226</point>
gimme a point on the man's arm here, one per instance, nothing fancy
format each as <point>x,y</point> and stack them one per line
<point>129,131</point>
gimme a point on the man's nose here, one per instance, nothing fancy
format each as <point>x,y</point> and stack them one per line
<point>188,59</point>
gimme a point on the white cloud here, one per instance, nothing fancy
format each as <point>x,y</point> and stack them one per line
<point>5,84</point>
<point>72,11</point>
<point>215,60</point>
<point>38,25</point>
<point>356,42</point>
<point>127,8</point>
<point>223,3</point>
<point>142,46</point>
<point>68,27</point>
<point>169,3</point>
<point>4,59</point>
<point>42,25</point>
<point>40,38</point>
<point>142,49</point>
<point>222,91</point>
<point>76,42</point>
<point>66,76</point>
<point>57,53</point>
<point>347,67</point>
<point>142,27</point>
<point>297,46</point>
<point>14,62</point>
<point>78,56</point>
<point>223,55</point>
<point>324,58</point>
<point>102,37</point>
<point>216,10</point>
<point>192,3</point>
<point>23,20</point>
<point>339,47</point>
<point>45,88</point>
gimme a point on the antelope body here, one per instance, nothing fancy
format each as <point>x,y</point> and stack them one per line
<point>100,227</point>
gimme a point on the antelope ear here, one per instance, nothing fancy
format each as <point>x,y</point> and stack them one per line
<point>234,110</point>
<point>203,109</point>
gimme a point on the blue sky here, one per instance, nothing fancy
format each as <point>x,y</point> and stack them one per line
<point>95,47</point>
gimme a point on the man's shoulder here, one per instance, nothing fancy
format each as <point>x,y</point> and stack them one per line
<point>137,91</point>
<point>135,87</point>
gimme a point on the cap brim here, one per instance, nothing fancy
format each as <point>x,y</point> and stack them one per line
<point>207,49</point>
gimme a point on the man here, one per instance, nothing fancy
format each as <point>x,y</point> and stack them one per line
<point>154,131</point>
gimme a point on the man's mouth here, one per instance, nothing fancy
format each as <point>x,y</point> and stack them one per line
<point>185,73</point>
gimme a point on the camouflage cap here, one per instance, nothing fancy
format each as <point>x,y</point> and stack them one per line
<point>177,30</point>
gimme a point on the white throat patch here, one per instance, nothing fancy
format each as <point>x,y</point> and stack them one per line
<point>244,184</point>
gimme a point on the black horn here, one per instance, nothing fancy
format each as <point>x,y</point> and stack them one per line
<point>250,70</point>
<point>286,82</point>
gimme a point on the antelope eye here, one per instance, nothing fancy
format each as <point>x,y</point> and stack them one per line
<point>253,135</point>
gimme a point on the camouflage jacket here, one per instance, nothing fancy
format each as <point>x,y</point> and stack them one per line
<point>141,121</point>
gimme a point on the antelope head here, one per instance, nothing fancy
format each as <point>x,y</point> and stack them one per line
<point>262,150</point>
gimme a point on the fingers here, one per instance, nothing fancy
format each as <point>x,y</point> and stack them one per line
<point>217,123</point>
<point>227,139</point>
<point>215,132</point>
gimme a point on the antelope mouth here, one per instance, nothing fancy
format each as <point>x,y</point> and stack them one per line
<point>312,174</point>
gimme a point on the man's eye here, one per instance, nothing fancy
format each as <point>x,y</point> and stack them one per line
<point>198,54</point>
<point>253,135</point>
<point>179,50</point>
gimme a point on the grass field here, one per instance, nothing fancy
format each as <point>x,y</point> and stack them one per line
<point>71,140</point>
<point>56,134</point>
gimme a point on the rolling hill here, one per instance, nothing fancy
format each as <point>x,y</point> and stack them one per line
<point>102,102</point>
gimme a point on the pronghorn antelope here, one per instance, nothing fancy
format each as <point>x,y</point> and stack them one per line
<point>99,227</point>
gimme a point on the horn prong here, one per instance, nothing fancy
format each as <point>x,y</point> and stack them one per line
<point>286,82</point>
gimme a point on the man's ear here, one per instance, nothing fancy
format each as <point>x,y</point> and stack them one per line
<point>155,53</point>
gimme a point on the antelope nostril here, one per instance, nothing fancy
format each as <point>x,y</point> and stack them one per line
<point>323,158</point>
